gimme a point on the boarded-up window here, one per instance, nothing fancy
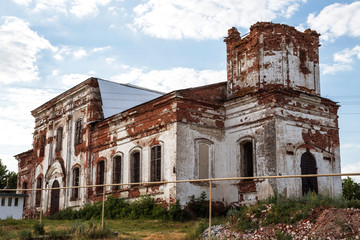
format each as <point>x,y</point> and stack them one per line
<point>203,161</point>
<point>135,166</point>
<point>59,136</point>
<point>38,192</point>
<point>100,175</point>
<point>78,132</point>
<point>42,145</point>
<point>247,161</point>
<point>156,163</point>
<point>117,172</point>
<point>76,175</point>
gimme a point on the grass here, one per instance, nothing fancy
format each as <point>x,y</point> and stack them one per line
<point>126,229</point>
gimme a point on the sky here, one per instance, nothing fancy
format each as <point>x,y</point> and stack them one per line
<point>48,46</point>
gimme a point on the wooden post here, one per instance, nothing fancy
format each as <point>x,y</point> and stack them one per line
<point>103,208</point>
<point>210,188</point>
<point>41,204</point>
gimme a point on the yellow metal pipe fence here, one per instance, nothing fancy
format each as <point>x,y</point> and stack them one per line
<point>210,181</point>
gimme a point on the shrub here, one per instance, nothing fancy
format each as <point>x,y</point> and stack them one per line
<point>198,206</point>
<point>351,189</point>
<point>25,235</point>
<point>39,228</point>
<point>176,213</point>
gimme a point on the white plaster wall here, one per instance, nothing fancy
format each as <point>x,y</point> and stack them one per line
<point>11,211</point>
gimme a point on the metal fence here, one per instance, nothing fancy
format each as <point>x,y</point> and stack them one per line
<point>210,181</point>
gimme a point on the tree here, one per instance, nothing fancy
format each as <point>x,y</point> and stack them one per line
<point>5,175</point>
<point>351,189</point>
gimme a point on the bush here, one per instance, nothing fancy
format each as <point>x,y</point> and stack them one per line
<point>198,206</point>
<point>351,189</point>
<point>39,228</point>
<point>25,235</point>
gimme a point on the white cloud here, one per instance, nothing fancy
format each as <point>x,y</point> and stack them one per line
<point>110,60</point>
<point>206,19</point>
<point>343,61</point>
<point>71,80</point>
<point>79,8</point>
<point>80,53</point>
<point>351,168</point>
<point>100,49</point>
<point>337,20</point>
<point>170,79</point>
<point>333,68</point>
<point>19,50</point>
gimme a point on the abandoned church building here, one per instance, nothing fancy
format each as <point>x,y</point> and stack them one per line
<point>267,119</point>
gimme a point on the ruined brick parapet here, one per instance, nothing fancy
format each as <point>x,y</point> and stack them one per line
<point>272,56</point>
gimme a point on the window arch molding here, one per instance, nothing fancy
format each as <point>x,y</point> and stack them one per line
<point>241,149</point>
<point>161,163</point>
<point>204,148</point>
<point>114,171</point>
<point>135,168</point>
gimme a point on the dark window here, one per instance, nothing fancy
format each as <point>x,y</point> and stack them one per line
<point>2,201</point>
<point>247,159</point>
<point>308,166</point>
<point>203,161</point>
<point>78,132</point>
<point>9,201</point>
<point>59,136</point>
<point>76,175</point>
<point>100,175</point>
<point>156,163</point>
<point>117,171</point>
<point>38,192</point>
<point>42,145</point>
<point>135,167</point>
<point>24,187</point>
<point>16,203</point>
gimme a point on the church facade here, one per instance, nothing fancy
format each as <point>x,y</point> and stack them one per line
<point>267,119</point>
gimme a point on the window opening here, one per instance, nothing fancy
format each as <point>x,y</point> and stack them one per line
<point>9,201</point>
<point>117,172</point>
<point>156,163</point>
<point>78,132</point>
<point>76,175</point>
<point>203,161</point>
<point>101,175</point>
<point>42,145</point>
<point>38,192</point>
<point>3,201</point>
<point>59,136</point>
<point>308,166</point>
<point>16,203</point>
<point>135,165</point>
<point>247,159</point>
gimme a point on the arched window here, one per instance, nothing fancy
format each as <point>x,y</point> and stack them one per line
<point>117,171</point>
<point>24,187</point>
<point>75,183</point>
<point>42,145</point>
<point>308,166</point>
<point>204,168</point>
<point>100,175</point>
<point>135,166</point>
<point>38,192</point>
<point>155,164</point>
<point>59,136</point>
<point>78,132</point>
<point>247,159</point>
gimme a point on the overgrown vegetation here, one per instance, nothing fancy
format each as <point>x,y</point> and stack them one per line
<point>143,208</point>
<point>351,189</point>
<point>283,210</point>
<point>7,177</point>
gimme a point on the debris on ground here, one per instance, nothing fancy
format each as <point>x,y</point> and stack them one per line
<point>323,223</point>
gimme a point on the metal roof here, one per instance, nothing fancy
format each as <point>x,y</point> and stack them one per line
<point>117,97</point>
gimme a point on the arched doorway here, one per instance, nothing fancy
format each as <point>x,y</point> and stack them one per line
<point>55,197</point>
<point>308,166</point>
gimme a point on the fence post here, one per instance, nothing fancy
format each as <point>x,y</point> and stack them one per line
<point>41,204</point>
<point>103,207</point>
<point>210,188</point>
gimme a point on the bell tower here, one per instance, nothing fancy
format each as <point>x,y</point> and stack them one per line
<point>272,56</point>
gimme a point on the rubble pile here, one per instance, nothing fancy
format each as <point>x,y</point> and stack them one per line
<point>323,223</point>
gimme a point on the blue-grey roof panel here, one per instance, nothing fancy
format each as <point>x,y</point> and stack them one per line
<point>118,97</point>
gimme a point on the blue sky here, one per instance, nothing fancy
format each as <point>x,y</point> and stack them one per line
<point>48,46</point>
